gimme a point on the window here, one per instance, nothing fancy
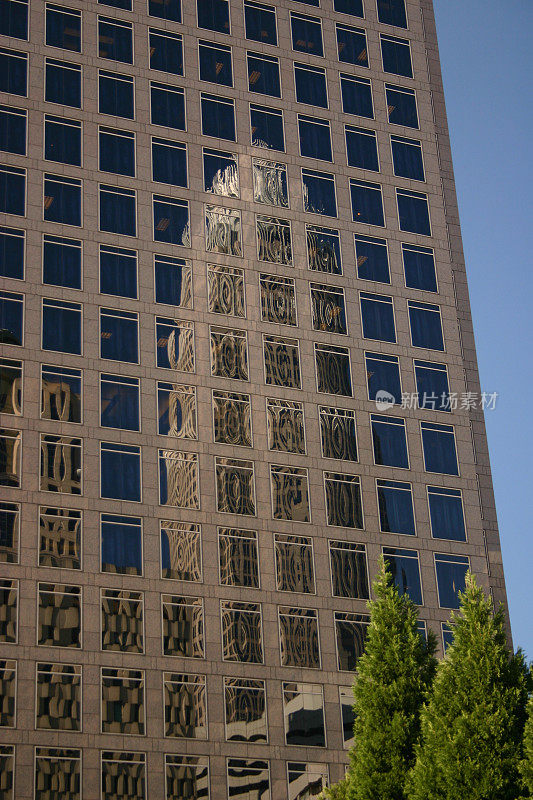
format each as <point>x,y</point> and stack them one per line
<point>60,538</point>
<point>328,308</point>
<point>120,472</point>
<point>451,578</point>
<point>165,51</point>
<point>13,124</point>
<point>353,7</point>
<point>270,182</point>
<point>347,715</point>
<point>344,506</point>
<point>218,117</point>
<point>310,83</point>
<point>238,558</point>
<point>118,210</point>
<point>119,335</point>
<point>186,777</point>
<point>419,268</point>
<point>62,140</point>
<point>213,15</point>
<point>118,271</point>
<point>350,633</point>
<point>377,316</point>
<point>438,444</point>
<point>447,636</point>
<point>116,151</point>
<point>282,362</point>
<point>392,12</point>
<point>349,570</point>
<point>323,250</point>
<point>58,698</point>
<point>294,563</point>
<point>306,34</point>
<point>426,325</point>
<point>62,326</point>
<point>278,299</point>
<point>404,568</point>
<point>9,591</point>
<point>12,248</point>
<point>242,637</point>
<point>14,72</point>
<point>274,240</point>
<point>121,770</point>
<point>319,193</point>
<point>171,221</point>
<point>10,387</point>
<point>351,45</point>
<point>285,426</point>
<point>59,615</point>
<point>225,287</point>
<point>263,74</point>
<point>367,203</point>
<point>183,626</point>
<point>116,95</point>
<point>13,191</point>
<point>124,4</point>
<point>221,174</point>
<point>401,106</point>
<point>389,441</point>
<point>62,261</point>
<point>232,419</point>
<point>167,106</point>
<point>215,63</point>
<point>8,682</point>
<point>260,22</point>
<point>61,464</point>
<point>121,544</point>
<point>223,231</point>
<point>446,514</point>
<point>176,411</point>
<point>122,702</point>
<point>179,479</point>
<point>298,637</point>
<point>9,533</point>
<point>267,127</point>
<point>337,433</point>
<point>174,344</point>
<point>181,551</point>
<point>306,778</point>
<point>333,370</point>
<point>396,56</point>
<point>361,148</point>
<point>395,504</point>
<point>165,9</point>
<point>14,19</point>
<point>10,457</point>
<point>58,767</point>
<point>356,95</point>
<point>122,615</point>
<point>372,258</point>
<point>290,493</point>
<point>169,162</point>
<point>61,398</point>
<point>303,712</point>
<point>11,318</point>
<point>315,138</point>
<point>173,281</point>
<point>413,212</point>
<point>246,719</point>
<point>235,486</point>
<point>407,158</point>
<point>62,200</point>
<point>432,386</point>
<point>119,402</point>
<point>229,353</point>
<point>185,705</point>
<point>115,40</point>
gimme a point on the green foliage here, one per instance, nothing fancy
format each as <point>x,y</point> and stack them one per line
<point>473,723</point>
<point>337,792</point>
<point>526,766</point>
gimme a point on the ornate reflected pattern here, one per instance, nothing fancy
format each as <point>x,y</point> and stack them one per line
<point>290,493</point>
<point>232,418</point>
<point>349,570</point>
<point>7,770</point>
<point>347,715</point>
<point>223,231</point>
<point>185,705</point>
<point>60,464</point>
<point>60,394</point>
<point>303,712</point>
<point>229,353</point>
<point>333,373</point>
<point>278,299</point>
<point>58,703</point>
<point>350,632</point>
<point>285,426</point>
<point>183,626</point>
<point>294,563</point>
<point>57,773</point>
<point>274,240</point>
<point>176,410</point>
<point>10,457</point>
<point>238,558</point>
<point>245,710</point>
<point>178,479</point>
<point>225,290</point>
<point>187,777</point>
<point>9,594</point>
<point>122,621</point>
<point>270,183</point>
<point>123,701</point>
<point>223,173</point>
<point>123,776</point>
<point>10,387</point>
<point>59,538</point>
<point>9,532</point>
<point>235,486</point>
<point>59,615</point>
<point>181,551</point>
<point>248,779</point>
<point>8,693</point>
<point>324,250</point>
<point>282,362</point>
<point>241,632</point>
<point>344,506</point>
<point>175,344</point>
<point>337,433</point>
<point>306,780</point>
<point>328,309</point>
<point>298,635</point>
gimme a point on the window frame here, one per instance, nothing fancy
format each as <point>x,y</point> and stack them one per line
<point>177,90</point>
<point>355,547</point>
<point>414,248</point>
<point>434,426</point>
<point>125,380</point>
<point>408,142</point>
<point>414,196</point>
<point>236,397</point>
<point>221,532</point>
<point>389,297</point>
<point>123,594</point>
<point>74,12</point>
<point>17,233</point>
<point>347,352</point>
<point>118,516</point>
<point>397,488</point>
<point>128,80</point>
<point>242,463</point>
<point>252,3</point>
<point>410,92</point>
<point>371,134</point>
<point>120,23</point>
<point>20,172</point>
<point>431,307</point>
<point>443,490</point>
<point>118,133</point>
<point>299,406</point>
<point>116,313</point>
<point>348,413</point>
<point>288,469</point>
<point>21,299</point>
<point>340,291</point>
<point>449,558</point>
<point>290,607</point>
<point>347,478</point>
<point>329,176</point>
<point>266,58</point>
<point>357,79</point>
<point>308,19</point>
<point>23,114</point>
<point>185,527</point>
<point>214,46</point>
<point>293,342</point>
<point>66,305</point>
<point>309,544</point>
<point>115,447</point>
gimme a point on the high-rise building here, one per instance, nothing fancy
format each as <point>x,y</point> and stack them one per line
<point>237,366</point>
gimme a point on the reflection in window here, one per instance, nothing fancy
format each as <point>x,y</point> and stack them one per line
<point>176,410</point>
<point>270,183</point>
<point>260,22</point>
<point>181,551</point>
<point>333,371</point>
<point>58,767</point>
<point>278,299</point>
<point>451,577</point>
<point>9,594</point>
<point>60,532</point>
<point>274,240</point>
<point>282,362</point>
<point>171,221</point>
<point>179,479</point>
<point>324,250</point>
<point>173,281</point>
<point>263,74</point>
<point>242,638</point>
<point>306,780</point>
<point>9,533</point>
<point>401,106</point>
<point>349,570</point>
<point>235,486</point>
<point>446,513</point>
<point>404,568</point>
<point>267,127</point>
<point>175,344</point>
<point>238,558</point>
<point>298,635</point>
<point>60,464</point>
<point>285,426</point>
<point>290,493</point>
<point>344,506</point>
<point>8,693</point>
<point>347,715</point>
<point>337,433</point>
<point>328,308</point>
<point>225,290</point>
<point>350,632</point>
<point>119,402</point>
<point>319,193</point>
<point>367,202</point>
<point>10,457</point>
<point>119,335</point>
<point>123,701</point>
<point>59,615</point>
<point>294,563</point>
<point>213,15</point>
<point>232,418</point>
<point>121,770</point>
<point>223,231</point>
<point>187,777</point>
<point>7,770</point>
<point>122,621</point>
<point>121,544</point>
<point>245,710</point>
<point>303,713</point>
<point>183,626</point>
<point>248,778</point>
<point>395,504</point>
<point>221,175</point>
<point>229,353</point>
<point>215,63</point>
<point>351,45</point>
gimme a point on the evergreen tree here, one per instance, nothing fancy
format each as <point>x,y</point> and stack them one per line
<point>339,791</point>
<point>473,723</point>
<point>526,767</point>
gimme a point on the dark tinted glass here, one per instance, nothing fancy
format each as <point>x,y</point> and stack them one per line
<point>11,316</point>
<point>353,7</point>
<point>124,4</point>
<point>115,96</point>
<point>306,35</point>
<point>62,141</point>
<point>167,106</point>
<point>310,86</point>
<point>165,9</point>
<point>372,259</point>
<point>13,130</point>
<point>446,513</point>
<point>169,162</point>
<point>11,253</point>
<point>171,222</point>
<point>62,262</point>
<point>438,443</point>
<point>63,28</point>
<point>119,403</point>
<point>362,148</point>
<point>451,578</point>
<point>215,64</point>
<point>121,544</point>
<point>378,318</point>
<point>401,106</point>
<point>367,204</point>
<point>383,376</point>
<point>395,503</point>
<point>419,268</point>
<point>405,572</point>
<point>61,327</point>
<point>115,41</point>
<point>392,12</point>
<point>13,72</point>
<point>12,191</point>
<point>62,201</point>
<point>118,336</point>
<point>260,23</point>
<point>267,128</point>
<point>118,272</point>
<point>116,152</point>
<point>315,139</point>
<point>356,97</point>
<point>14,19</point>
<point>63,84</point>
<point>117,211</point>
<point>390,442</point>
<point>166,52</point>
<point>396,55</point>
<point>413,210</point>
<point>304,718</point>
<point>407,158</point>
<point>120,472</point>
<point>169,281</point>
<point>218,118</point>
<point>432,386</point>
<point>426,327</point>
<point>263,75</point>
<point>351,46</point>
<point>319,193</point>
<point>213,15</point>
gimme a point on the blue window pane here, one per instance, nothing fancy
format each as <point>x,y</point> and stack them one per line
<point>118,336</point>
<point>451,578</point>
<point>11,318</point>
<point>392,12</point>
<point>116,95</point>
<point>378,318</point>
<point>13,130</point>
<point>267,128</point>
<point>165,9</point>
<point>218,118</point>
<point>432,386</point>
<point>357,96</point>
<point>171,340</point>
<point>116,151</point>
<point>351,46</point>
<point>12,191</point>
<point>11,253</point>
<point>118,272</point>
<point>121,544</point>
<point>383,378</point>
<point>263,75</point>
<point>221,174</point>
<point>14,19</point>
<point>62,262</point>
<point>403,566</point>
<point>166,52</point>
<point>62,200</point>
<point>215,64</point>
<point>407,158</point>
<point>446,514</point>
<point>362,148</point>
<point>447,637</point>
<point>120,472</point>
<point>367,203</point>
<point>372,259</point>
<point>61,327</point>
<point>169,162</point>
<point>395,501</point>
<point>117,211</point>
<point>438,444</point>
<point>260,23</point>
<point>310,86</point>
<point>401,105</point>
<point>413,210</point>
<point>213,15</point>
<point>390,442</point>
<point>124,4</point>
<point>13,72</point>
<point>419,268</point>
<point>396,55</point>
<point>307,35</point>
<point>315,138</point>
<point>63,28</point>
<point>352,7</point>
<point>167,106</point>
<point>426,327</point>
<point>62,141</point>
<point>171,221</point>
<point>115,41</point>
<point>319,193</point>
<point>119,403</point>
<point>171,280</point>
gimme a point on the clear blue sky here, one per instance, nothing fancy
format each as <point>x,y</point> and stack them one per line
<point>486,55</point>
